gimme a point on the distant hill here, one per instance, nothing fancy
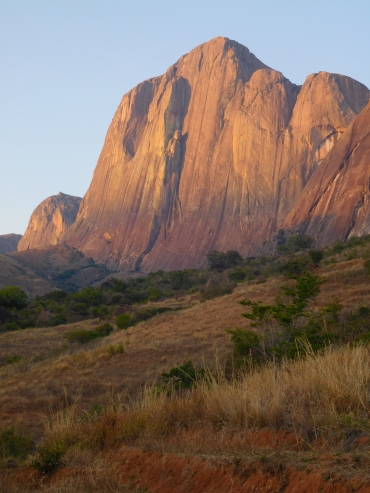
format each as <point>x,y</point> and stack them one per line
<point>61,266</point>
<point>15,273</point>
<point>9,243</point>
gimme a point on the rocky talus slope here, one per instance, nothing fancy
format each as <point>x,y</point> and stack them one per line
<point>211,155</point>
<point>50,221</point>
<point>336,201</point>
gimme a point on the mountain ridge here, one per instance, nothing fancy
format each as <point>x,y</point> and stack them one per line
<point>211,155</point>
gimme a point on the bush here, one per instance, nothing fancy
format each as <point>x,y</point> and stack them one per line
<point>85,336</point>
<point>119,349</point>
<point>58,319</point>
<point>237,274</point>
<point>183,377</point>
<point>9,327</point>
<point>221,261</point>
<point>316,256</point>
<point>103,330</point>
<point>50,457</point>
<point>81,308</point>
<point>14,445</point>
<point>154,293</point>
<point>282,326</point>
<point>57,295</point>
<point>13,297</point>
<point>298,242</point>
<point>295,267</point>
<point>124,321</point>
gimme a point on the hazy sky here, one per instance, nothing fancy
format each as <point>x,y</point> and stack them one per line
<point>65,65</point>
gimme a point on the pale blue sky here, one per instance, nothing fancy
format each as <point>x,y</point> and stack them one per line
<point>65,65</point>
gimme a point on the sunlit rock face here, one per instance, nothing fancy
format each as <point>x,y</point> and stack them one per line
<point>211,155</point>
<point>50,221</point>
<point>335,204</point>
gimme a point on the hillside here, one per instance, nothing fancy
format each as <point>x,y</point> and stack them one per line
<point>43,373</point>
<point>9,243</point>
<point>13,272</point>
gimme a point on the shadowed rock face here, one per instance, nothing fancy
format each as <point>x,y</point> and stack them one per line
<point>9,243</point>
<point>211,155</point>
<point>336,201</point>
<point>50,221</point>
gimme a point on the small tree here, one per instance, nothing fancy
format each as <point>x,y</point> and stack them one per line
<point>316,256</point>
<point>13,297</point>
<point>281,325</point>
<point>298,242</point>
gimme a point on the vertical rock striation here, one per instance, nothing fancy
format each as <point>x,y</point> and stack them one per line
<point>211,155</point>
<point>50,221</point>
<point>336,201</point>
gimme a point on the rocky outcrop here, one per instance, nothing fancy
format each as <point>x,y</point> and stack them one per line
<point>50,221</point>
<point>212,155</point>
<point>335,204</point>
<point>9,243</point>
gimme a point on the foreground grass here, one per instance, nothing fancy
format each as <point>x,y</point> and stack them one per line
<point>321,399</point>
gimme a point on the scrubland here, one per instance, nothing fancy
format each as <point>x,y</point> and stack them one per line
<point>97,404</point>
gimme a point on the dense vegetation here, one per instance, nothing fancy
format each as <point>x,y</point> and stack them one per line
<point>294,256</point>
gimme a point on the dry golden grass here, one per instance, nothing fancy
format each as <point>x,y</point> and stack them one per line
<point>50,368</point>
<point>321,399</point>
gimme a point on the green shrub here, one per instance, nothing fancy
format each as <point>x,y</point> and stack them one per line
<point>221,261</point>
<point>85,336</point>
<point>146,313</point>
<point>50,457</point>
<point>283,325</point>
<point>298,242</point>
<point>119,349</point>
<point>58,319</point>
<point>183,377</point>
<point>154,293</point>
<point>124,321</point>
<point>295,267</point>
<point>81,308</point>
<point>316,256</point>
<point>14,445</point>
<point>9,327</point>
<point>57,295</point>
<point>81,336</point>
<point>9,360</point>
<point>237,275</point>
<point>13,297</point>
<point>103,330</point>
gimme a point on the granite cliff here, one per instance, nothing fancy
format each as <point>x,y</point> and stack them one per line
<point>50,221</point>
<point>335,204</point>
<point>211,155</point>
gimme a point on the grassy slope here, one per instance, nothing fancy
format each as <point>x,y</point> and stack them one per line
<point>15,273</point>
<point>49,366</point>
<point>51,376</point>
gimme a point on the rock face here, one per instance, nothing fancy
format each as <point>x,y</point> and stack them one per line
<point>50,221</point>
<point>212,155</point>
<point>336,201</point>
<point>9,243</point>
